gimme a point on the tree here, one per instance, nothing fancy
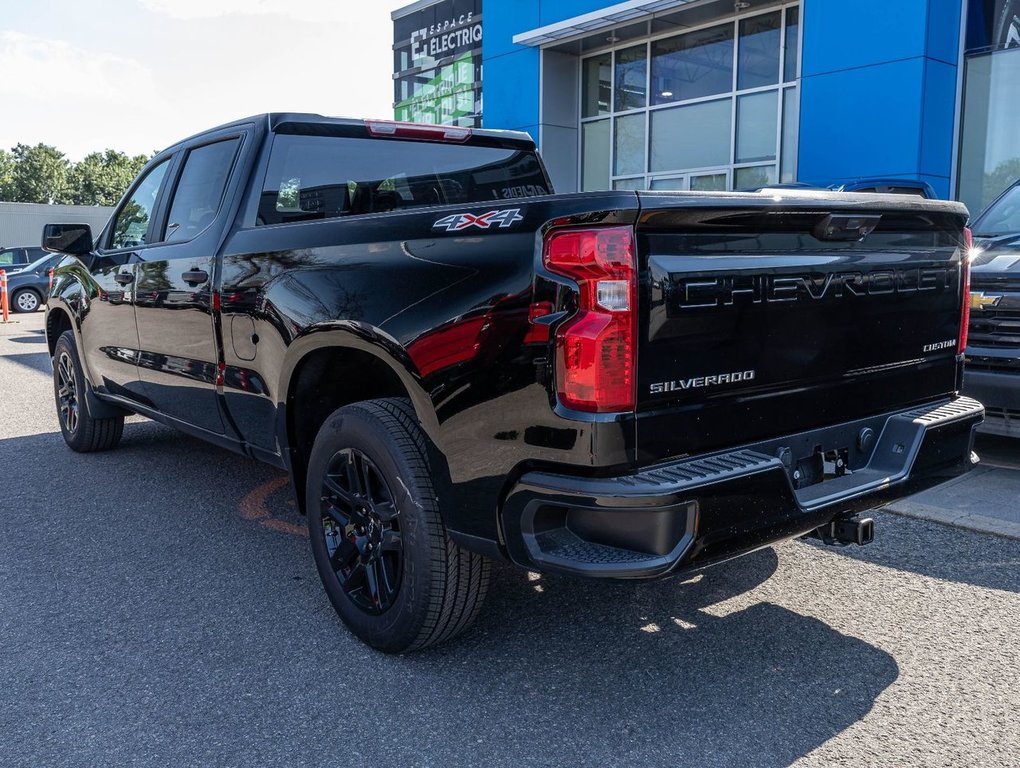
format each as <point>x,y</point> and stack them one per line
<point>40,174</point>
<point>1005,173</point>
<point>101,177</point>
<point>6,174</point>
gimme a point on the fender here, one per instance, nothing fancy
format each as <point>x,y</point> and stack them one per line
<point>363,338</point>
<point>96,407</point>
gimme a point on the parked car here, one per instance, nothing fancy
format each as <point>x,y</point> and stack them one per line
<point>992,373</point>
<point>28,287</point>
<point>888,187</point>
<point>455,365</point>
<point>13,259</point>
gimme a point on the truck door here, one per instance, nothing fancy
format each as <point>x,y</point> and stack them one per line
<point>178,353</point>
<point>108,331</point>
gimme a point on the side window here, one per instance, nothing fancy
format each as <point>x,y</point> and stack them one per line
<point>200,189</point>
<point>132,222</point>
<point>7,258</point>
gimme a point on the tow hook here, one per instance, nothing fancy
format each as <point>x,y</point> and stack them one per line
<point>847,530</point>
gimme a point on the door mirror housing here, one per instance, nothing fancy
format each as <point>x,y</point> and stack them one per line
<point>75,239</point>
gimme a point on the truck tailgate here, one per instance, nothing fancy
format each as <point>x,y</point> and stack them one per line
<point>763,317</point>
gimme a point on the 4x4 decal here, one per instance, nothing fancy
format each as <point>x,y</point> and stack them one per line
<point>458,221</point>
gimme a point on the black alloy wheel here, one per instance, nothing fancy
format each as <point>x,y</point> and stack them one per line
<point>377,534</point>
<point>67,393</point>
<point>82,431</point>
<point>361,528</point>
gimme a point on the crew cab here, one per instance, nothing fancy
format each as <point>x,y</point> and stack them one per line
<point>456,365</point>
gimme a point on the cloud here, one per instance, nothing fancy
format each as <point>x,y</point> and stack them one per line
<point>316,11</point>
<point>55,71</point>
<point>78,100</point>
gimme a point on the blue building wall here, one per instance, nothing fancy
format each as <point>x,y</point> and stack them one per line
<point>878,86</point>
<point>878,89</point>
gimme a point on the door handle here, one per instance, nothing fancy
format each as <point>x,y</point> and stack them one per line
<point>124,278</point>
<point>195,276</point>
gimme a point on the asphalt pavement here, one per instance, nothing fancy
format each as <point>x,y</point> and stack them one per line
<point>159,606</point>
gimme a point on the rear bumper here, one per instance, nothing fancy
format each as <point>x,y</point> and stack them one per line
<point>693,512</point>
<point>1000,394</point>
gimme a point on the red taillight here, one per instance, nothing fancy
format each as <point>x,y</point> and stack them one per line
<point>968,246</point>
<point>420,131</point>
<point>595,350</point>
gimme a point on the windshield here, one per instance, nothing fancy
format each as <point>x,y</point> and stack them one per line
<point>1002,217</point>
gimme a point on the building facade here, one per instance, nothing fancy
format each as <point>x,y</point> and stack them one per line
<point>716,94</point>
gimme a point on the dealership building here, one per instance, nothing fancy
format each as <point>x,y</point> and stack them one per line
<point>716,94</point>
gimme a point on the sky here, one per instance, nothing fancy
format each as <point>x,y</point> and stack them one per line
<point>139,75</point>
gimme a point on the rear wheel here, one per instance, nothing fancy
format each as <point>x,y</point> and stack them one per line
<point>26,300</point>
<point>387,564</point>
<point>81,432</point>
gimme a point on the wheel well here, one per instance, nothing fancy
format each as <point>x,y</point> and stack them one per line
<point>57,321</point>
<point>324,381</point>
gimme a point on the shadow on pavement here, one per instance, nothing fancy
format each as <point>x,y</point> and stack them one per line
<point>36,361</point>
<point>179,627</point>
<point>940,552</point>
<point>33,338</point>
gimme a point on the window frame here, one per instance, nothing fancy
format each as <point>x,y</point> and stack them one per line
<point>172,158</point>
<point>731,168</point>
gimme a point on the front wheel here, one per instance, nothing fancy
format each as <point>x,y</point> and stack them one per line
<point>26,300</point>
<point>81,432</point>
<point>386,562</point>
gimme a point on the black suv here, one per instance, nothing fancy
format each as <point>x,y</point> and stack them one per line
<point>993,350</point>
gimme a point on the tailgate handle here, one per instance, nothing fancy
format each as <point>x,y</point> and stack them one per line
<point>846,226</point>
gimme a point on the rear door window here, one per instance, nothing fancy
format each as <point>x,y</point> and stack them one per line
<point>321,177</point>
<point>11,257</point>
<point>199,192</point>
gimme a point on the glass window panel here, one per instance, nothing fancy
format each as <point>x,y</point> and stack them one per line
<point>755,177</point>
<point>792,46</point>
<point>758,56</point>
<point>693,65</point>
<point>629,145</point>
<point>694,136</point>
<point>709,182</point>
<point>791,129</point>
<point>595,86</point>
<point>677,182</point>
<point>595,156</point>
<point>629,82</point>
<point>629,184</point>
<point>756,126</point>
<point>990,141</point>
<point>198,193</point>
<point>131,226</point>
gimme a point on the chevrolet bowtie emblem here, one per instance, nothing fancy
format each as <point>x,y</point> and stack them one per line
<point>979,300</point>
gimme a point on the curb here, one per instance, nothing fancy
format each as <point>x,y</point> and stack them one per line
<point>966,520</point>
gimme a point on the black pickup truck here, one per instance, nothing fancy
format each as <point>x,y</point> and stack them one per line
<point>454,364</point>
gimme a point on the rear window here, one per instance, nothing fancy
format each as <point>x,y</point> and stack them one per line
<point>322,177</point>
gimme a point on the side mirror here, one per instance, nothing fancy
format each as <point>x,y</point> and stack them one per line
<point>75,239</point>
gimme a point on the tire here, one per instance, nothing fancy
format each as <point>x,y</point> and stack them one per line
<point>386,562</point>
<point>81,432</point>
<point>25,300</point>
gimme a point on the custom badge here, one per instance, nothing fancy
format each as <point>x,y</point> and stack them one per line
<point>460,221</point>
